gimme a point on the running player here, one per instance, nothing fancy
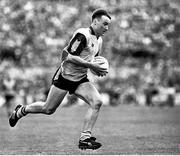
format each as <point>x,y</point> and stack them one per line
<point>71,77</point>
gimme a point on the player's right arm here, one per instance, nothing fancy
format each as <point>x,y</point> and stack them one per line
<point>94,66</point>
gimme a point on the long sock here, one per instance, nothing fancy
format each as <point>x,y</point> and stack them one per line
<point>21,112</point>
<point>85,135</point>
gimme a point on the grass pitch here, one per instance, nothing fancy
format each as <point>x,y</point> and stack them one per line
<point>121,130</point>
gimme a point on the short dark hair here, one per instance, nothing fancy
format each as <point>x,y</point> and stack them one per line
<point>99,13</point>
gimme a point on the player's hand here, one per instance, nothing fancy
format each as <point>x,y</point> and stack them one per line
<point>100,73</point>
<point>96,67</point>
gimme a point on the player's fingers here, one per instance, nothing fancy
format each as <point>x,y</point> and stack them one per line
<point>103,69</point>
<point>100,63</point>
<point>104,73</point>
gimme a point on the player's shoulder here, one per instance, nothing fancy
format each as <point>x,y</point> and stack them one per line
<point>84,31</point>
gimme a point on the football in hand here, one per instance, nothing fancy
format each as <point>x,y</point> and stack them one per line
<point>102,62</point>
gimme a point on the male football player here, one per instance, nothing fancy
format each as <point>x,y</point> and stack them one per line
<point>71,77</point>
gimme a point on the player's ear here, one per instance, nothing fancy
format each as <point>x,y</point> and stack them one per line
<point>95,21</point>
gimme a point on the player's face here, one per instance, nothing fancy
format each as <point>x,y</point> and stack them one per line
<point>103,25</point>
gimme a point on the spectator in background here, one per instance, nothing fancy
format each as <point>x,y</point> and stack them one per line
<point>150,91</point>
<point>8,86</point>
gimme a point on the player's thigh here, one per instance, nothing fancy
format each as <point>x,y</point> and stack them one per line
<point>55,97</point>
<point>88,92</point>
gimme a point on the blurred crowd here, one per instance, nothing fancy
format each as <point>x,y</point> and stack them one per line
<point>34,32</point>
<point>142,47</point>
<point>146,86</point>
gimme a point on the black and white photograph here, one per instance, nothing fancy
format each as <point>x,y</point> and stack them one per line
<point>89,77</point>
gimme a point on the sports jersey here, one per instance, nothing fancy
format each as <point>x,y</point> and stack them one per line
<point>84,44</point>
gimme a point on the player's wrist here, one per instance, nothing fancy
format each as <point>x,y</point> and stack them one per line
<point>90,65</point>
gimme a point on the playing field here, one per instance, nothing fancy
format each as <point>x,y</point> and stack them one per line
<point>121,130</point>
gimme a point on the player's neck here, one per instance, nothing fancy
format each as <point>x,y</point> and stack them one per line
<point>93,31</point>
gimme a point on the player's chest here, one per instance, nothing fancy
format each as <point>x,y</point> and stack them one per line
<point>93,45</point>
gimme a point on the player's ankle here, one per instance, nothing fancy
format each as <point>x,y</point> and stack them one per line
<point>21,112</point>
<point>85,135</point>
<point>84,138</point>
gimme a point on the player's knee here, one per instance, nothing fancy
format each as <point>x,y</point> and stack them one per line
<point>49,111</point>
<point>98,104</point>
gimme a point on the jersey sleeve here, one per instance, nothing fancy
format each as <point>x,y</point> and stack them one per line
<point>77,44</point>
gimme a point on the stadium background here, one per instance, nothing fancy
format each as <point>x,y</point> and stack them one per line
<point>142,47</point>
